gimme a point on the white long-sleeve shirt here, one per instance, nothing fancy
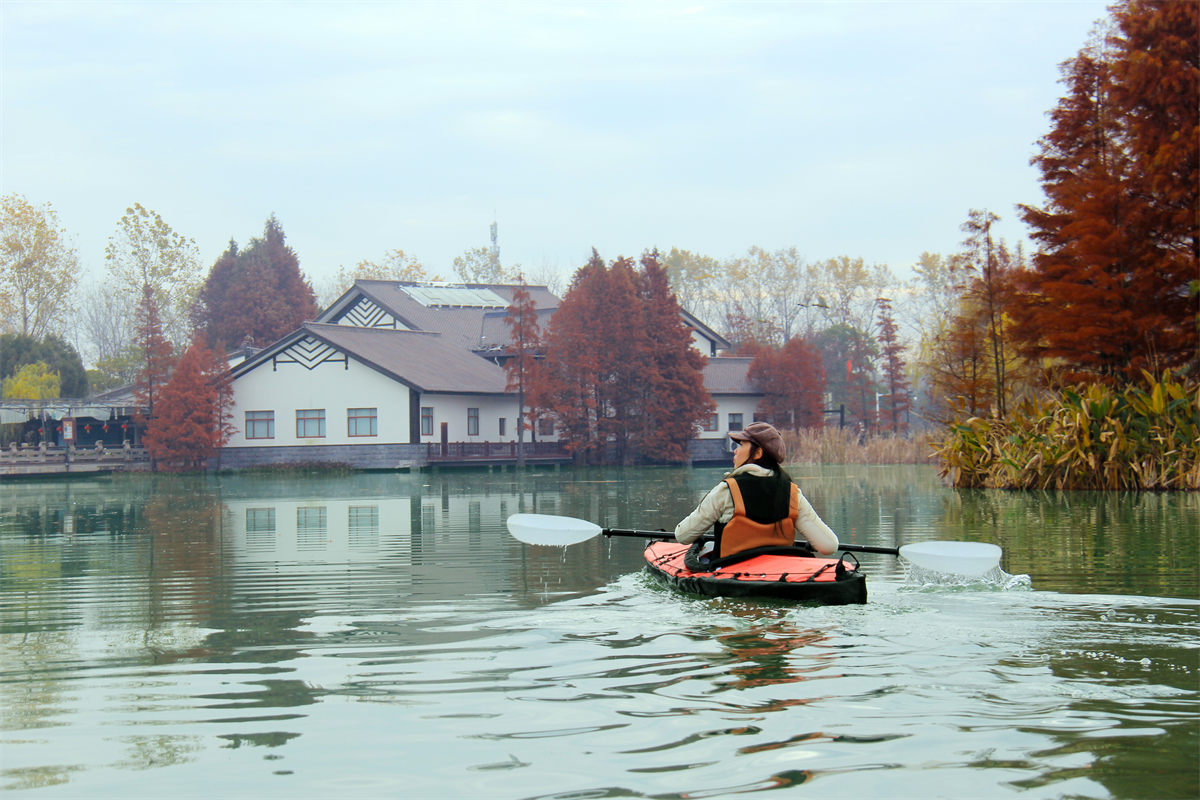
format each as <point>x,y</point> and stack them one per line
<point>717,506</point>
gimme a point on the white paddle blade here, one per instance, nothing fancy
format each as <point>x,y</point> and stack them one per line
<point>552,530</point>
<point>953,558</point>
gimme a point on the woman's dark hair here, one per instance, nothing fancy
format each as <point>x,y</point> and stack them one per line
<point>783,483</point>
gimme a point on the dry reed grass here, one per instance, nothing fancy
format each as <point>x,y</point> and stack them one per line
<point>834,446</point>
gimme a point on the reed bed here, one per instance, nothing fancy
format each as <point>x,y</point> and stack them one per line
<point>1140,437</point>
<point>834,446</point>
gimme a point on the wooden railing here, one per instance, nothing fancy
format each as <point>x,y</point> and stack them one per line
<point>36,459</point>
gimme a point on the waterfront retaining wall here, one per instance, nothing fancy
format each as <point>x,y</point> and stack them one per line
<point>709,451</point>
<point>358,456</point>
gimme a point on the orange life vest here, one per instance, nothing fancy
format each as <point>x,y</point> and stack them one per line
<point>743,533</point>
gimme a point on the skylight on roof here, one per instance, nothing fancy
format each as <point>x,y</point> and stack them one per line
<point>455,296</point>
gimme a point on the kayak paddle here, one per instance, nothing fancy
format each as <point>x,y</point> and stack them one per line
<point>962,558</point>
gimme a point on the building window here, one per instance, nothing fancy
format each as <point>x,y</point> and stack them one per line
<point>260,424</point>
<point>426,421</point>
<point>545,427</point>
<point>310,423</point>
<point>362,422</point>
<point>503,425</point>
<point>713,422</point>
<point>472,422</point>
<point>735,422</point>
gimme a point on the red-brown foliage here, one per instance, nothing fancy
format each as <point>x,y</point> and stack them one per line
<point>257,294</point>
<point>896,402</point>
<point>671,379</point>
<point>792,382</point>
<point>193,419</point>
<point>620,370</point>
<point>1119,236</point>
<point>156,357</point>
<point>524,346</point>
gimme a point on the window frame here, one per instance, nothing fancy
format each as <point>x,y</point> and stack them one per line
<point>472,421</point>
<point>252,424</point>
<point>354,421</point>
<point>310,415</point>
<point>427,420</point>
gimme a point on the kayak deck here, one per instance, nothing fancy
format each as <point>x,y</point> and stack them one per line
<point>779,573</point>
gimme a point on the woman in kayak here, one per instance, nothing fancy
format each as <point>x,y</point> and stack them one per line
<point>756,505</point>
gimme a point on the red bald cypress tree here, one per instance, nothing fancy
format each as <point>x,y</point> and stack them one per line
<point>157,360</point>
<point>959,369</point>
<point>792,381</point>
<point>620,375</point>
<point>1156,83</point>
<point>256,294</point>
<point>896,402</point>
<point>622,354</point>
<point>1112,287</point>
<point>671,376</point>
<point>570,386</point>
<point>521,354</point>
<point>192,421</point>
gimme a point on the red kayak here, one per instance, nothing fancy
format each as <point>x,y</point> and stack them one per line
<point>786,573</point>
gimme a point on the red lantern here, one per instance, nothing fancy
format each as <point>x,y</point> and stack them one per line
<point>41,431</point>
<point>123,426</point>
<point>105,427</point>
<point>87,428</point>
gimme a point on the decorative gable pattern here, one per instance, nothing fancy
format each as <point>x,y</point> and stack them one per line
<point>367,314</point>
<point>309,353</point>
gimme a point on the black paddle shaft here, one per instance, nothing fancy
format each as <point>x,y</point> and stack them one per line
<point>850,548</point>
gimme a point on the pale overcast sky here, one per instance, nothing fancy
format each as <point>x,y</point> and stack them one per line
<point>866,129</point>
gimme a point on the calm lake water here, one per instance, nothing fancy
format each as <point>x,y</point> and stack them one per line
<point>381,635</point>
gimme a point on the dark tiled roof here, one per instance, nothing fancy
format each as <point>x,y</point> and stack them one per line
<point>426,361</point>
<point>465,327</point>
<point>727,375</point>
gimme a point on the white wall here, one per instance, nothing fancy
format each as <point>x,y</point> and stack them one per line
<point>731,404</point>
<point>331,386</point>
<point>452,409</point>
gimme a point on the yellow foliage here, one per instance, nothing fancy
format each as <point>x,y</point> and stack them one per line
<point>33,382</point>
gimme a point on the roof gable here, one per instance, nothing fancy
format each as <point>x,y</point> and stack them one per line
<point>717,341</point>
<point>460,312</point>
<point>424,361</point>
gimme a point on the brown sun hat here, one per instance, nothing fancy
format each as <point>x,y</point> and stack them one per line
<point>762,435</point>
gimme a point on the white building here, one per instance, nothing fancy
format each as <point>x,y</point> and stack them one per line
<point>396,375</point>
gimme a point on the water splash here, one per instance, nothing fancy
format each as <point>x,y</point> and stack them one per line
<point>995,579</point>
